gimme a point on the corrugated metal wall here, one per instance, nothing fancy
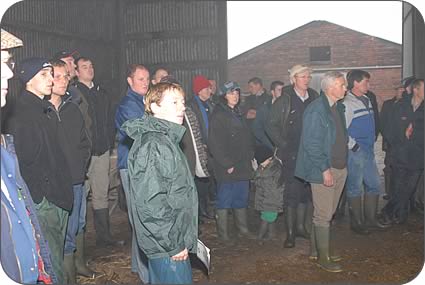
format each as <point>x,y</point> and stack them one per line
<point>186,37</point>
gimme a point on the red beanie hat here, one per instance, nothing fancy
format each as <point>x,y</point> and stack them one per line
<point>199,82</point>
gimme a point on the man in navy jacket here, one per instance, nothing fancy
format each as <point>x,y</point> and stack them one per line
<point>132,107</point>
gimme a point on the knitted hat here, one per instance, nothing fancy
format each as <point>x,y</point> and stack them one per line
<point>200,82</point>
<point>408,81</point>
<point>29,67</point>
<point>9,41</point>
<point>262,153</point>
<point>229,86</point>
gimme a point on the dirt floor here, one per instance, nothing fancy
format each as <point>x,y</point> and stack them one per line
<point>393,256</point>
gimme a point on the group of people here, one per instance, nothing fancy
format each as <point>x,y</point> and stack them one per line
<point>183,159</point>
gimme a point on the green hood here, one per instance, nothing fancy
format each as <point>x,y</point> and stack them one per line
<point>136,128</point>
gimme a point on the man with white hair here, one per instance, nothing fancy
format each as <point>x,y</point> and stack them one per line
<point>284,128</point>
<point>322,161</point>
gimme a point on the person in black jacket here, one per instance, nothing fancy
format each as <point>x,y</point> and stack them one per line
<point>231,145</point>
<point>407,146</point>
<point>102,138</point>
<point>284,128</point>
<point>42,161</point>
<point>385,120</point>
<point>76,147</point>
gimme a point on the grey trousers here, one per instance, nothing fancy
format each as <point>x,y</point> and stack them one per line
<point>325,199</point>
<point>98,180</point>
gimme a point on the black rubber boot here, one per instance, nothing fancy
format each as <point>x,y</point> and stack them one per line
<point>69,269</point>
<point>222,228</point>
<point>264,225</point>
<point>301,215</point>
<point>80,259</point>
<point>241,219</point>
<point>323,242</point>
<point>371,204</point>
<point>356,216</point>
<point>101,225</point>
<point>290,219</point>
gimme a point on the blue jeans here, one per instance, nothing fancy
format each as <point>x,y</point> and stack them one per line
<point>362,170</point>
<point>166,271</point>
<point>74,218</point>
<point>139,261</point>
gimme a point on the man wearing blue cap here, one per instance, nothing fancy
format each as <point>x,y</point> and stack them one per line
<point>42,161</point>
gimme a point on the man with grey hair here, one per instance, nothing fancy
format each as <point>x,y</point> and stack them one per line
<point>284,129</point>
<point>322,161</point>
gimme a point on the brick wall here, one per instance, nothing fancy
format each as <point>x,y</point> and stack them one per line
<point>349,48</point>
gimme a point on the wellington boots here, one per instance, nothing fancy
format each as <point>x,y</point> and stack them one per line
<point>241,219</point>
<point>371,203</point>
<point>290,219</point>
<point>301,214</point>
<point>264,225</point>
<point>222,228</point>
<point>271,232</point>
<point>313,248</point>
<point>356,217</point>
<point>101,225</point>
<point>69,269</point>
<point>80,259</point>
<point>322,242</point>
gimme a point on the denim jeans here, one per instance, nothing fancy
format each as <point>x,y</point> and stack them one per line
<point>362,170</point>
<point>74,219</point>
<point>139,261</point>
<point>166,271</point>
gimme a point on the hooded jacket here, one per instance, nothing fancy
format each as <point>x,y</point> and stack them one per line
<point>162,190</point>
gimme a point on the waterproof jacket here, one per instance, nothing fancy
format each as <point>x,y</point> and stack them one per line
<point>386,118</point>
<point>164,200</point>
<point>318,137</point>
<point>74,139</point>
<point>407,153</point>
<point>286,122</point>
<point>231,144</point>
<point>20,228</point>
<point>42,160</point>
<point>268,187</point>
<point>100,111</point>
<point>130,107</point>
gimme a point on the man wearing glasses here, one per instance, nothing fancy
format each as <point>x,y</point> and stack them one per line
<point>284,128</point>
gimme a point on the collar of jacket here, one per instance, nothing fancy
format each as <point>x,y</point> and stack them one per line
<point>34,101</point>
<point>135,95</point>
<point>85,87</point>
<point>148,123</point>
<point>235,111</point>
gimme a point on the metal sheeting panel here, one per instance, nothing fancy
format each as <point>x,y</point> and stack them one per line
<point>186,37</point>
